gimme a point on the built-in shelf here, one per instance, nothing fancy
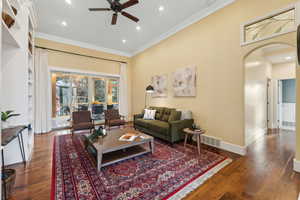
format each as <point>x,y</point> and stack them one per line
<point>7,7</point>
<point>8,37</point>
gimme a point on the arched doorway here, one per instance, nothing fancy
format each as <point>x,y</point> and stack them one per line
<point>270,94</point>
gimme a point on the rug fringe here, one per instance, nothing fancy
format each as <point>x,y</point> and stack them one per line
<point>199,181</point>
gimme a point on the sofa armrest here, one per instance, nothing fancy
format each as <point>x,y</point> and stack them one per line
<point>176,128</point>
<point>138,116</point>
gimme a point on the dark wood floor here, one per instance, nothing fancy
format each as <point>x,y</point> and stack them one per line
<point>266,173</point>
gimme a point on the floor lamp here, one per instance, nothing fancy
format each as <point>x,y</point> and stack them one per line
<point>149,90</point>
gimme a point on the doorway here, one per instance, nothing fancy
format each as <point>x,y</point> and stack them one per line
<point>270,73</point>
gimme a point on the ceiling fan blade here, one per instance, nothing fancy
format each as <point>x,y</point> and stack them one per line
<point>114,19</point>
<point>133,18</point>
<point>129,4</point>
<point>110,1</point>
<point>99,9</point>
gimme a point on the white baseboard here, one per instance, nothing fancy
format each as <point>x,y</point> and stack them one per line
<point>241,150</point>
<point>219,143</point>
<point>296,165</point>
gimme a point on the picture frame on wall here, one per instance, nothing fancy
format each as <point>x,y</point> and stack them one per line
<point>185,81</point>
<point>160,85</point>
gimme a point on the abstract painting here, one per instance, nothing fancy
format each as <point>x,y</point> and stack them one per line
<point>184,82</point>
<point>160,85</point>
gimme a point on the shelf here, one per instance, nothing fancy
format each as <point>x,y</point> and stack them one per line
<point>8,37</point>
<point>7,7</point>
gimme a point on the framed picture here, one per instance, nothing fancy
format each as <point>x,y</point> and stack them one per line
<point>184,82</point>
<point>160,85</point>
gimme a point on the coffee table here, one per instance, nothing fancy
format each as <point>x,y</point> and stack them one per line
<point>110,150</point>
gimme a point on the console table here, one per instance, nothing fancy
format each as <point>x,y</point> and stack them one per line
<point>8,135</point>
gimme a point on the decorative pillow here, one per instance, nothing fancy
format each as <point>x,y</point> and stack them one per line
<point>159,112</point>
<point>185,114</point>
<point>167,114</point>
<point>149,114</point>
<point>175,115</point>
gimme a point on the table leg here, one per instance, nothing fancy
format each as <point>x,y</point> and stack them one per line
<point>198,143</point>
<point>152,146</point>
<point>21,145</point>
<point>185,139</point>
<point>2,174</point>
<point>99,160</point>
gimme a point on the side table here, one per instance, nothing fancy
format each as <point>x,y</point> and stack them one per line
<point>189,132</point>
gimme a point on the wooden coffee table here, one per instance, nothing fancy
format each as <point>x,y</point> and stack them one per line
<point>109,149</point>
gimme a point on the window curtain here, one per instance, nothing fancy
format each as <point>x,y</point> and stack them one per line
<point>42,105</point>
<point>123,90</point>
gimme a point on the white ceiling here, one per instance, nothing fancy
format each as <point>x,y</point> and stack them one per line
<point>93,29</point>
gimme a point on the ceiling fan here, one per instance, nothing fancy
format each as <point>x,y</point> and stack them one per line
<point>117,7</point>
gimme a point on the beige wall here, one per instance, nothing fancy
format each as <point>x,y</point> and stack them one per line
<point>213,45</point>
<point>68,61</point>
<point>284,71</point>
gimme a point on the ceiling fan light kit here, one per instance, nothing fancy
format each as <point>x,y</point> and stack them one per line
<point>117,7</point>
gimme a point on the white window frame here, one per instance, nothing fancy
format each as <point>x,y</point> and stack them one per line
<point>295,6</point>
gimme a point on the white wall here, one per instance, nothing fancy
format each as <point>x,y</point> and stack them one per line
<point>256,100</point>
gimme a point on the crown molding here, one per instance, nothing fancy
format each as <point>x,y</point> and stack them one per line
<point>81,44</point>
<point>191,20</point>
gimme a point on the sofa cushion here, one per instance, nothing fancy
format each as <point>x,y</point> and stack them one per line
<point>158,126</point>
<point>142,122</point>
<point>175,115</point>
<point>159,112</point>
<point>167,114</point>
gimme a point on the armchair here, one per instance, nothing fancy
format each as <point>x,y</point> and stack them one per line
<point>81,120</point>
<point>113,118</point>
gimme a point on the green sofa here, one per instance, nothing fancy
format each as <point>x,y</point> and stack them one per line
<point>166,126</point>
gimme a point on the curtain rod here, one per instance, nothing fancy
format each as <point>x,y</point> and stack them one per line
<point>77,54</point>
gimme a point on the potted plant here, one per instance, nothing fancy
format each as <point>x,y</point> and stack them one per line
<point>98,133</point>
<point>5,116</point>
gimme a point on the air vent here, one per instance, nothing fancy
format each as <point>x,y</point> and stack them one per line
<point>211,141</point>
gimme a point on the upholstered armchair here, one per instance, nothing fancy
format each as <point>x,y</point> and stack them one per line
<point>113,118</point>
<point>82,120</point>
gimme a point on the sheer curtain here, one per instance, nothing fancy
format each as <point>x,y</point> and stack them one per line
<point>42,105</point>
<point>123,90</point>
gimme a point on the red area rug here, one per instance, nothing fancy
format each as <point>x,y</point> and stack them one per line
<point>169,173</point>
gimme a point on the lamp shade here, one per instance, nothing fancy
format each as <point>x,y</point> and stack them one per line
<point>149,89</point>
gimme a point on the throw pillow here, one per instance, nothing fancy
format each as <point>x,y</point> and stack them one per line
<point>149,114</point>
<point>175,116</point>
<point>185,114</point>
<point>167,114</point>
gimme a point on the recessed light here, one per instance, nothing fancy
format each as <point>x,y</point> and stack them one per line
<point>124,41</point>
<point>288,58</point>
<point>138,28</point>
<point>64,23</point>
<point>68,2</point>
<point>161,8</point>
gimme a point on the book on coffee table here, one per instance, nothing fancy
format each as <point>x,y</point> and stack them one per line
<point>128,137</point>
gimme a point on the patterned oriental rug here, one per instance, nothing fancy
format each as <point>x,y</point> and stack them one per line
<point>169,173</point>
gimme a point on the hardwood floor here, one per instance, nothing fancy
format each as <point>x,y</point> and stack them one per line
<point>266,173</point>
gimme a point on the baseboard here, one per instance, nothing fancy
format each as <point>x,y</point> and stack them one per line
<point>241,150</point>
<point>296,165</point>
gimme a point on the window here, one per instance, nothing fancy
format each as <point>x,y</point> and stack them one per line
<point>283,21</point>
<point>289,91</point>
<point>72,92</point>
<point>100,90</point>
